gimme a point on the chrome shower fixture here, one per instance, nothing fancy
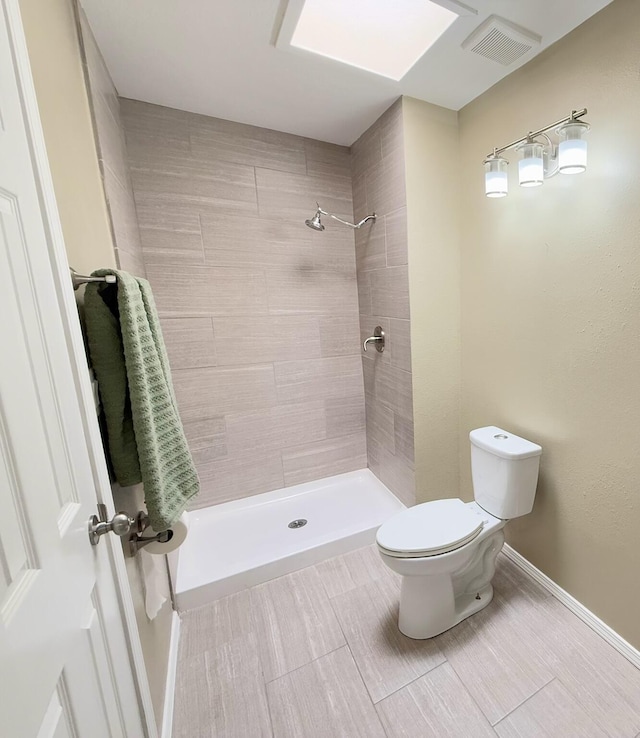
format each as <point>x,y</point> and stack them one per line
<point>316,221</point>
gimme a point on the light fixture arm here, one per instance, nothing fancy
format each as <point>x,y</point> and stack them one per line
<point>575,115</point>
<point>346,222</point>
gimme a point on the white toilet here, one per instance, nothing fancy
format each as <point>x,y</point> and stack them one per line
<point>446,550</point>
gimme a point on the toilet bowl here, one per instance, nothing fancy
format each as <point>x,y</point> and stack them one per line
<point>446,550</point>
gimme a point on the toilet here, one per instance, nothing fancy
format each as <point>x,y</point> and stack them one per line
<point>446,550</point>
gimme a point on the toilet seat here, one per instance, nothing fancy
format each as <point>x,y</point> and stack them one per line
<point>429,529</point>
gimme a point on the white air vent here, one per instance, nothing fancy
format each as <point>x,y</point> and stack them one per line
<point>501,41</point>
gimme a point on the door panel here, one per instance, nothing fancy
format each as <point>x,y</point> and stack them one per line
<point>57,674</point>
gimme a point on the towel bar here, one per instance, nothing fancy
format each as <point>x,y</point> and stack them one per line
<point>77,280</point>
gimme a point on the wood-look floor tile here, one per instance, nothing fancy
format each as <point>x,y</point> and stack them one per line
<point>498,658</point>
<point>344,573</point>
<point>387,659</point>
<point>222,693</point>
<point>295,622</point>
<point>550,713</point>
<point>325,699</point>
<point>435,706</point>
<point>513,584</point>
<point>606,685</point>
<point>211,626</point>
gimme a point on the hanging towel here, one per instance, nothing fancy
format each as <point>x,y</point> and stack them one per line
<point>145,437</point>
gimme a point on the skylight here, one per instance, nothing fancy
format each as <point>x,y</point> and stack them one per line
<point>386,37</point>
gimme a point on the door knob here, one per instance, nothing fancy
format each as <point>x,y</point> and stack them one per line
<point>120,524</point>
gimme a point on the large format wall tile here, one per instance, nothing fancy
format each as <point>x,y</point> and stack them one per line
<point>257,339</point>
<point>309,291</point>
<point>231,478</point>
<point>192,290</point>
<point>324,458</point>
<point>313,379</point>
<point>247,293</point>
<point>383,298</point>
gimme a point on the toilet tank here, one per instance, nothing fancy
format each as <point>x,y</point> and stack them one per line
<point>504,468</point>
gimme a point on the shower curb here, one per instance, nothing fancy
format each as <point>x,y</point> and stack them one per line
<point>577,608</point>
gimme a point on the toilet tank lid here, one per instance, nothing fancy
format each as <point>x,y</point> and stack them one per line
<point>504,444</point>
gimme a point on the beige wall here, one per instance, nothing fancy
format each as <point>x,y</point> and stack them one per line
<point>54,52</point>
<point>259,313</point>
<point>383,297</point>
<point>112,155</point>
<point>551,311</point>
<point>433,221</point>
<point>57,66</point>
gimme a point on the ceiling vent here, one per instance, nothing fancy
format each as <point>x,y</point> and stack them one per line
<point>501,41</point>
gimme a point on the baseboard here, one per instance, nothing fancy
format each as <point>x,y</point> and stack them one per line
<point>170,688</point>
<point>578,609</point>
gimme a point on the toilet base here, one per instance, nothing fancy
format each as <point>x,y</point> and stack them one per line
<point>448,612</point>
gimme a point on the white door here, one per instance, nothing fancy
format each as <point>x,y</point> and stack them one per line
<point>67,644</point>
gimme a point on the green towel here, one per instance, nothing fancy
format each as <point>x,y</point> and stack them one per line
<point>145,436</point>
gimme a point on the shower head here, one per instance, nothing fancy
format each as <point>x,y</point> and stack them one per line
<point>316,222</point>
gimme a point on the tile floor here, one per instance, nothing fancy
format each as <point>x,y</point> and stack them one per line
<point>317,654</point>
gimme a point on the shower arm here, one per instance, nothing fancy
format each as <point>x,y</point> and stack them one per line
<point>346,222</point>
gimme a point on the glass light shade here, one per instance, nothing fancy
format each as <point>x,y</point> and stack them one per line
<point>572,152</point>
<point>496,182</point>
<point>531,165</point>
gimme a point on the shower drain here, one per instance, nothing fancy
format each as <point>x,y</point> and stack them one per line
<point>297,523</point>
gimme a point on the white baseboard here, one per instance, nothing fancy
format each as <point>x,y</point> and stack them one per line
<point>170,688</point>
<point>578,609</point>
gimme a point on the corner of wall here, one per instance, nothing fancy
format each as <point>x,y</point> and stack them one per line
<point>433,216</point>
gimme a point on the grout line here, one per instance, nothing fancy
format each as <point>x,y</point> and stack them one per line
<point>466,689</point>
<point>524,701</point>
<point>415,679</point>
<point>302,666</point>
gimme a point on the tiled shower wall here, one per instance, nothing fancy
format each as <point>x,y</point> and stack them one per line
<point>259,313</point>
<point>383,290</point>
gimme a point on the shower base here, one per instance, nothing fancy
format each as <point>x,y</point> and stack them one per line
<point>238,544</point>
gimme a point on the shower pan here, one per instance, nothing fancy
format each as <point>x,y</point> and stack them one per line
<point>288,529</point>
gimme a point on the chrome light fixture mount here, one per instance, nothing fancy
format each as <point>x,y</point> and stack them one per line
<point>539,157</point>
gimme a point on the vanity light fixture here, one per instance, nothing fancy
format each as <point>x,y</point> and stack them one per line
<point>540,160</point>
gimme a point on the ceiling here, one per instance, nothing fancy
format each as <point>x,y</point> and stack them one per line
<point>218,57</point>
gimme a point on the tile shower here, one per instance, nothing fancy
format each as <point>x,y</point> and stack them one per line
<point>264,321</point>
<point>260,314</point>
